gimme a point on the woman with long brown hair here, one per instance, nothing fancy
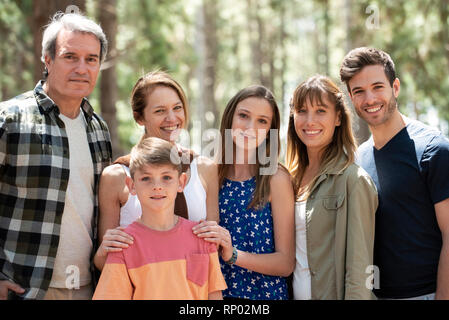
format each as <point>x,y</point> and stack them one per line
<point>159,105</point>
<point>256,233</point>
<point>335,199</point>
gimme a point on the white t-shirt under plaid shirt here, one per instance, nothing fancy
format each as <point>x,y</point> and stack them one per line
<point>75,244</point>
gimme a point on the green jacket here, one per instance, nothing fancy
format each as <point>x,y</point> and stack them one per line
<point>340,216</point>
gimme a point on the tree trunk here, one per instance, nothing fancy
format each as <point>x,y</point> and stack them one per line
<point>3,88</point>
<point>263,54</point>
<point>3,66</point>
<point>444,33</point>
<point>270,55</point>
<point>282,42</point>
<point>361,129</point>
<point>256,36</point>
<point>317,49</point>
<point>209,10</point>
<point>42,12</point>
<point>235,49</point>
<point>199,107</point>
<point>348,21</point>
<point>326,36</point>
<point>107,17</point>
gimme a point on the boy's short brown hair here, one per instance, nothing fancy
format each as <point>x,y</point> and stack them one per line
<point>361,57</point>
<point>154,151</point>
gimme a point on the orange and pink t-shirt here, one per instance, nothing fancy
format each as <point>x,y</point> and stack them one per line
<point>172,265</point>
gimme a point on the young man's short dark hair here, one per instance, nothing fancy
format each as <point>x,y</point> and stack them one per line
<point>361,57</point>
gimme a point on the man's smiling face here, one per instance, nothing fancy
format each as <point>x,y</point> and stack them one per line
<point>373,97</point>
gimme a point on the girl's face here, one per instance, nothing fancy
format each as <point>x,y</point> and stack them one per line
<point>315,123</point>
<point>251,122</point>
<point>163,116</point>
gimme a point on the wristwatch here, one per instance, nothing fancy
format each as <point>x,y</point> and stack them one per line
<point>233,258</point>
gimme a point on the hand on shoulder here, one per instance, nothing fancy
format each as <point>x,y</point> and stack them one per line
<point>112,185</point>
<point>281,184</point>
<point>207,169</point>
<point>281,177</point>
<point>114,170</point>
<point>113,176</point>
<point>206,163</point>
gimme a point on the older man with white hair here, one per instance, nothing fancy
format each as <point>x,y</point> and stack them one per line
<point>53,147</point>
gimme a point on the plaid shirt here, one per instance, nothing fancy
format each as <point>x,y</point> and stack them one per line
<point>34,174</point>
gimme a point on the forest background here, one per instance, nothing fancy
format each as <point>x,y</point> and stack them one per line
<point>216,47</point>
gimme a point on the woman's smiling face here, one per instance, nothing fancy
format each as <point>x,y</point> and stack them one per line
<point>164,114</point>
<point>315,123</point>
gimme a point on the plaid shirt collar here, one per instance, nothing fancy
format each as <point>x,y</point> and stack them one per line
<point>47,105</point>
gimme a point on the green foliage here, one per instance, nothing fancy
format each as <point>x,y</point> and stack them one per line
<point>411,32</point>
<point>300,38</point>
<point>15,42</point>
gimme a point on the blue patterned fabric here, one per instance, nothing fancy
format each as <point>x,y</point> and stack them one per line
<point>251,231</point>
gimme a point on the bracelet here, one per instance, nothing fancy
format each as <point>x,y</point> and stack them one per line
<point>233,257</point>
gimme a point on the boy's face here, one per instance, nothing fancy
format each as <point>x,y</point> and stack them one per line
<point>156,186</point>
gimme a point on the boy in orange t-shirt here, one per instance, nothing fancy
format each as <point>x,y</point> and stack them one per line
<point>166,260</point>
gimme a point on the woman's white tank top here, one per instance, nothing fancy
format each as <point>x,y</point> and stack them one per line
<point>131,210</point>
<point>195,194</point>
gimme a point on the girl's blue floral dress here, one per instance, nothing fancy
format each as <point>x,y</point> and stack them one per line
<point>251,231</point>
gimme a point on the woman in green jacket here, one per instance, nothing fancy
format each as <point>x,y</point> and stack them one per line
<point>335,199</point>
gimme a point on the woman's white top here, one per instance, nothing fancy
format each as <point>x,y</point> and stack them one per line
<point>131,210</point>
<point>195,194</point>
<point>301,275</point>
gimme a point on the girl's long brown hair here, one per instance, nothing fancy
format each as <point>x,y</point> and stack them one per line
<point>343,143</point>
<point>262,192</point>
